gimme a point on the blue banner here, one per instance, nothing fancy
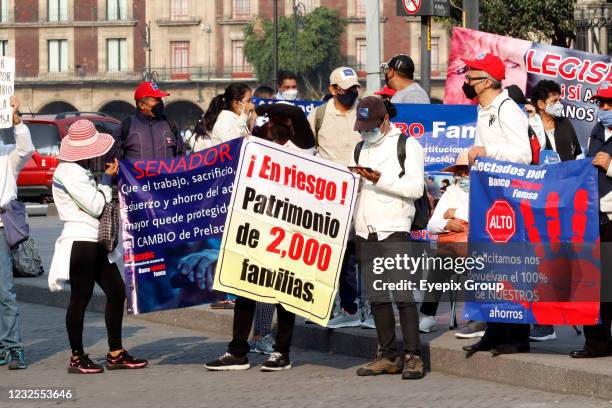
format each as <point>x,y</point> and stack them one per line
<point>537,229</point>
<point>443,130</point>
<point>173,214</point>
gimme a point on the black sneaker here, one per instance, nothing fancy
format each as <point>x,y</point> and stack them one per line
<point>228,362</point>
<point>276,362</point>
<point>124,361</point>
<point>83,365</point>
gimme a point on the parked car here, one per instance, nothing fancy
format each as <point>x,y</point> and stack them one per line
<point>47,131</point>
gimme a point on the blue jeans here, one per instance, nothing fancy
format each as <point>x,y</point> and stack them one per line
<point>10,335</point>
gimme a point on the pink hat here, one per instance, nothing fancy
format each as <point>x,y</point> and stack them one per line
<point>84,142</point>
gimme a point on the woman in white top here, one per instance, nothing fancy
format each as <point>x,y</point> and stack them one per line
<point>450,215</point>
<point>229,113</point>
<point>79,259</point>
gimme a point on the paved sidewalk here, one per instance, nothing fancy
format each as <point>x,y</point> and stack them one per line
<point>176,377</point>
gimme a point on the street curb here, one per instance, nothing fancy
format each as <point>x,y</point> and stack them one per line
<point>539,370</point>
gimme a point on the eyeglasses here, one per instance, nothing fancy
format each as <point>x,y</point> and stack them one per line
<point>602,102</point>
<point>469,78</point>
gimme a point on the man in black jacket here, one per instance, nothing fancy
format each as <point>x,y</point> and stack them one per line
<point>598,342</point>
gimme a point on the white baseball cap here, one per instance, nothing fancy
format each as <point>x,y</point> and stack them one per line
<point>344,77</point>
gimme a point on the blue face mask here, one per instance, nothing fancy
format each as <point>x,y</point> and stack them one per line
<point>463,182</point>
<point>372,137</point>
<point>605,117</point>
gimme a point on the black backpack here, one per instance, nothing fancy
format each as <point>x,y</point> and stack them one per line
<point>421,205</point>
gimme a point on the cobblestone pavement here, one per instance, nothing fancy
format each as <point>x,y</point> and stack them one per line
<point>176,377</point>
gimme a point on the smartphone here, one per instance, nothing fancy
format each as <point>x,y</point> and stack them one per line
<point>354,168</point>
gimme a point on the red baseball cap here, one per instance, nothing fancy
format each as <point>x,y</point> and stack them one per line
<point>386,91</point>
<point>604,92</point>
<point>148,90</point>
<point>489,63</point>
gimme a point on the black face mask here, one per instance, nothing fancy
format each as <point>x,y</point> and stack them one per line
<point>347,99</point>
<point>158,110</point>
<point>469,91</point>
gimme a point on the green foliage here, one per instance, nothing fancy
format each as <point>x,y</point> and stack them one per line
<point>318,47</point>
<point>539,20</point>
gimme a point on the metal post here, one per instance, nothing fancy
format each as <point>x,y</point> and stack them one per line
<point>295,33</point>
<point>373,45</point>
<point>149,47</point>
<point>426,53</point>
<point>470,13</point>
<point>275,51</point>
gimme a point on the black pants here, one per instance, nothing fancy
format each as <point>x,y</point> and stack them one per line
<point>88,266</point>
<point>244,312</point>
<point>597,337</point>
<point>349,284</point>
<point>384,319</point>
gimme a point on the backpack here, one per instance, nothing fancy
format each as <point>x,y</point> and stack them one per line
<point>125,132</point>
<point>319,116</point>
<point>534,143</point>
<point>422,206</point>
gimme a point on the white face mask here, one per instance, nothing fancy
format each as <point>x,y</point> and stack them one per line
<point>243,115</point>
<point>373,136</point>
<point>555,110</point>
<point>289,95</point>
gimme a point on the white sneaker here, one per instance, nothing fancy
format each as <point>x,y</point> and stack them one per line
<point>427,324</point>
<point>344,319</point>
<point>368,323</point>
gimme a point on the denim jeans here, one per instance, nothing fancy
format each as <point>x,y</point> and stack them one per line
<point>10,336</point>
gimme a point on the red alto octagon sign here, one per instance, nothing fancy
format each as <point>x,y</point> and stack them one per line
<point>501,221</point>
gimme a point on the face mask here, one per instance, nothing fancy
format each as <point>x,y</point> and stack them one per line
<point>243,115</point>
<point>555,110</point>
<point>289,95</point>
<point>463,182</point>
<point>605,117</point>
<point>373,136</point>
<point>158,110</point>
<point>469,91</point>
<point>347,99</point>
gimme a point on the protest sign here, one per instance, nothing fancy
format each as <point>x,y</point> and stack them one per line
<point>578,73</point>
<point>7,89</point>
<point>537,229</point>
<point>287,230</point>
<point>173,215</point>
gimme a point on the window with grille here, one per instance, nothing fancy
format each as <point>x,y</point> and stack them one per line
<point>179,56</point>
<point>360,8</point>
<point>309,5</point>
<point>241,9</point>
<point>4,11</point>
<point>178,9</point>
<point>117,54</point>
<point>239,61</point>
<point>58,55</point>
<point>435,53</point>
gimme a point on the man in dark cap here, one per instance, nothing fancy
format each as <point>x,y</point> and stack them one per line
<point>399,76</point>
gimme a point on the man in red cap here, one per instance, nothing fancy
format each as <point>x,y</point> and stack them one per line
<point>502,125</point>
<point>501,134</point>
<point>598,342</point>
<point>147,134</point>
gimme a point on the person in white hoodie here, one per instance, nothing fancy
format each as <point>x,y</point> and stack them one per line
<point>229,114</point>
<point>12,159</point>
<point>383,214</point>
<point>79,259</point>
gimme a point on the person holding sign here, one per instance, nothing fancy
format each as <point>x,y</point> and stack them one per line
<point>12,160</point>
<point>383,214</point>
<point>287,127</point>
<point>598,342</point>
<point>501,134</point>
<point>79,258</point>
